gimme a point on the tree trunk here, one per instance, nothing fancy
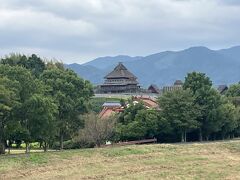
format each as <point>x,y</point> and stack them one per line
<point>61,141</point>
<point>207,137</point>
<point>2,148</point>
<point>214,137</point>
<point>9,146</point>
<point>200,134</point>
<point>222,136</point>
<point>27,148</point>
<point>45,147</point>
<point>9,149</point>
<point>2,143</point>
<point>98,143</point>
<point>185,135</point>
<point>182,136</point>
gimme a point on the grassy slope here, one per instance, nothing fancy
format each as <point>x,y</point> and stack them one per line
<point>219,160</point>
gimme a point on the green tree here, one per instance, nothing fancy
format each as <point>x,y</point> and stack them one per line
<point>137,122</point>
<point>229,119</point>
<point>234,90</point>
<point>233,93</point>
<point>71,94</point>
<point>179,108</point>
<point>34,63</point>
<point>27,85</point>
<point>40,117</point>
<point>8,99</point>
<point>208,99</point>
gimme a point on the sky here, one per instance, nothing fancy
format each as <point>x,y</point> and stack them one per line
<point>81,30</point>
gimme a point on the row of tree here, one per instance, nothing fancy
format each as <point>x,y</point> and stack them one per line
<point>197,112</point>
<point>39,101</point>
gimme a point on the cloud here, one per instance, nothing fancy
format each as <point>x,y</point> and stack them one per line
<point>78,30</point>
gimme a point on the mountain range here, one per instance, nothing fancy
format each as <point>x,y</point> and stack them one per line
<point>222,66</point>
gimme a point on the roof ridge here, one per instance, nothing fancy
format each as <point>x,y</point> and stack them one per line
<point>120,71</point>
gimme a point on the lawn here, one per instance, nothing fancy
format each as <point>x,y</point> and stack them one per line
<point>218,160</point>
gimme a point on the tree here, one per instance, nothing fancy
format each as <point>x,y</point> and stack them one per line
<point>208,99</point>
<point>179,108</point>
<point>8,99</point>
<point>34,63</point>
<point>233,93</point>
<point>210,102</point>
<point>40,118</point>
<point>196,81</point>
<point>229,119</point>
<point>71,94</point>
<point>26,86</point>
<point>128,126</point>
<point>234,90</point>
<point>97,130</point>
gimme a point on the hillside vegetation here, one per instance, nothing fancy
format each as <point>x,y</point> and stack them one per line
<point>218,160</point>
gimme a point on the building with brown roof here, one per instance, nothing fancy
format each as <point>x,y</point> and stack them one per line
<point>148,102</point>
<point>154,89</point>
<point>120,80</point>
<point>109,109</point>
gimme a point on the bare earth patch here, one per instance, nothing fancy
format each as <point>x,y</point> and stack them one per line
<point>219,160</point>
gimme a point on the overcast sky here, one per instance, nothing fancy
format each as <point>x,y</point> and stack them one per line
<point>80,30</point>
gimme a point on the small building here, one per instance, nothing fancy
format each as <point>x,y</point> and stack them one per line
<point>120,80</point>
<point>110,108</point>
<point>154,89</point>
<point>178,85</point>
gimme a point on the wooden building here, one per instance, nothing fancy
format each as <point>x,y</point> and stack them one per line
<point>110,108</point>
<point>178,85</point>
<point>120,80</point>
<point>154,89</point>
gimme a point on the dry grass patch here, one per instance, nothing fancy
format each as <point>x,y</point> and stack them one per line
<point>220,160</point>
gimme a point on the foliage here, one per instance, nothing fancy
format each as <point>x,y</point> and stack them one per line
<point>33,63</point>
<point>40,118</point>
<point>38,100</point>
<point>234,90</point>
<point>137,122</point>
<point>96,130</point>
<point>71,94</point>
<point>179,108</point>
<point>209,101</point>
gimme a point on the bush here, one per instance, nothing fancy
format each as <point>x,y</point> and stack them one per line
<point>72,144</point>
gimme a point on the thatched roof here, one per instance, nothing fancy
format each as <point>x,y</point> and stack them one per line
<point>120,71</point>
<point>154,88</point>
<point>222,88</point>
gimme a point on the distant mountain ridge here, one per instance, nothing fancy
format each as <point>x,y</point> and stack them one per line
<point>222,66</point>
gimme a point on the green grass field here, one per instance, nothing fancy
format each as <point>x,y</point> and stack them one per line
<point>218,160</point>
